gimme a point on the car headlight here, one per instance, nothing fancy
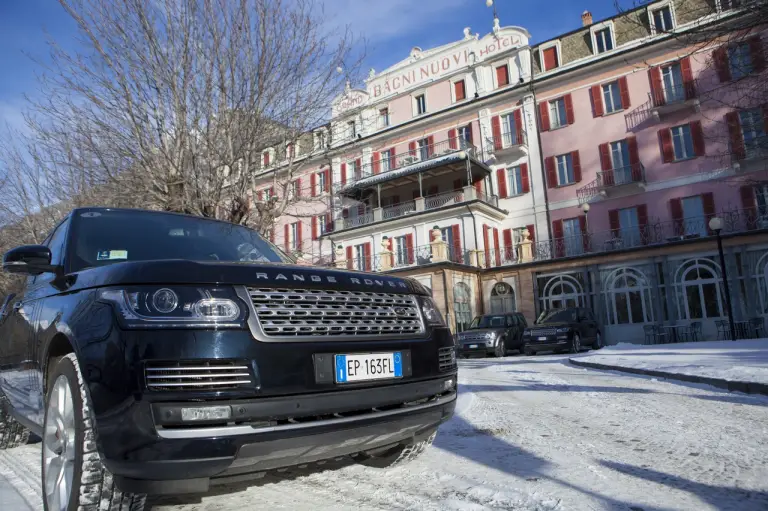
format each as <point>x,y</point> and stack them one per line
<point>490,335</point>
<point>431,315</point>
<point>563,330</point>
<point>526,333</point>
<point>176,307</point>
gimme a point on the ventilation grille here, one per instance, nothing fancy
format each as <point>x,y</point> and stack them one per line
<point>198,375</point>
<point>542,332</point>
<point>316,313</point>
<point>473,337</point>
<point>447,358</point>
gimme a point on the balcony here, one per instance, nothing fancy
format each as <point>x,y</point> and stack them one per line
<point>426,161</point>
<point>513,145</point>
<point>614,182</point>
<point>753,156</point>
<point>674,99</point>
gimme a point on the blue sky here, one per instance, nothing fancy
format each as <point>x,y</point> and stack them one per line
<point>391,28</point>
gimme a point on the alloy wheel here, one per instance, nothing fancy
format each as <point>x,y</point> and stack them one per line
<point>59,445</point>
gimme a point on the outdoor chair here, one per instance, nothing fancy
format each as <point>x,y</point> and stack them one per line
<point>723,330</point>
<point>757,327</point>
<point>694,331</point>
<point>650,334</point>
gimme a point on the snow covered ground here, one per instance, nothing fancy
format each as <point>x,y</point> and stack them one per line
<point>534,433</point>
<point>729,360</point>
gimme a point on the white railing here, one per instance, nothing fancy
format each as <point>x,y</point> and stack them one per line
<point>398,210</point>
<point>442,199</point>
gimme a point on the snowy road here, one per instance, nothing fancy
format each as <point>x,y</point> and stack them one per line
<point>536,433</point>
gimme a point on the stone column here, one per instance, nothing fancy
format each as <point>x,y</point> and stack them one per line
<point>476,258</point>
<point>385,254</point>
<point>525,248</point>
<point>341,258</point>
<point>439,247</point>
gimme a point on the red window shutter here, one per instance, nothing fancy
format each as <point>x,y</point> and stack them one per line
<point>367,255</point>
<point>569,116</point>
<point>272,235</point>
<point>496,246</point>
<point>358,168</point>
<point>453,143</point>
<point>458,90</point>
<point>272,192</point>
<point>314,228</point>
<point>430,146</point>
<point>266,159</point>
<point>350,262</point>
<point>549,163</point>
<point>613,221</point>
<point>412,148</point>
<point>756,52</point>
<point>708,202</point>
<point>327,180</point>
<point>624,91</point>
<point>667,151</point>
<point>501,177</point>
<point>486,245</point>
<point>748,203</point>
<point>376,162</point>
<point>518,127</point>
<point>524,177</point>
<point>298,235</point>
<point>328,222</point>
<point>457,185</point>
<point>507,235</point>
<point>737,139</point>
<point>657,88</point>
<point>479,186</point>
<point>313,184</point>
<point>496,128</point>
<point>287,240</point>
<point>457,253</point>
<point>576,160</point>
<point>688,83</point>
<point>261,195</point>
<point>698,138</point>
<point>676,208</point>
<point>298,188</point>
<point>557,235</point>
<point>550,58</point>
<point>544,116</point>
<point>720,58</point>
<point>532,234</point>
<point>502,76</point>
<point>634,159</point>
<point>605,157</point>
<point>584,233</point>
<point>642,219</point>
<point>409,248</point>
<point>597,101</point>
<point>343,174</point>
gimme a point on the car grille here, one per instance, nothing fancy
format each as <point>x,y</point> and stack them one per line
<point>465,338</point>
<point>309,312</point>
<point>447,358</point>
<point>199,375</point>
<point>544,331</point>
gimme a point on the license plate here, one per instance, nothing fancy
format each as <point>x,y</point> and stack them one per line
<point>473,345</point>
<point>542,338</point>
<point>369,366</point>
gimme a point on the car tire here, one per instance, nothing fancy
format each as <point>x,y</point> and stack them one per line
<point>399,455</point>
<point>598,341</point>
<point>12,433</point>
<point>69,448</point>
<point>575,344</point>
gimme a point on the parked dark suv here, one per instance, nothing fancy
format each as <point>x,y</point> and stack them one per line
<point>174,352</point>
<point>563,330</point>
<point>493,334</point>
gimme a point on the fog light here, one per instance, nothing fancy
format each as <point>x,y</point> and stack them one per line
<point>448,384</point>
<point>206,413</point>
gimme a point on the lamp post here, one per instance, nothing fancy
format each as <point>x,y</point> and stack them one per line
<point>716,224</point>
<point>585,209</point>
<point>489,3</point>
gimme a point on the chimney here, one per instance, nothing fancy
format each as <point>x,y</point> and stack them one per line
<point>586,18</point>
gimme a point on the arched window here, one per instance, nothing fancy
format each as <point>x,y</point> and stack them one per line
<point>502,298</point>
<point>761,282</point>
<point>562,291</point>
<point>628,297</point>
<point>700,289</point>
<point>462,305</point>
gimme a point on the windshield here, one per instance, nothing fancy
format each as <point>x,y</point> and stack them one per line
<point>487,322</point>
<point>558,316</point>
<point>104,237</point>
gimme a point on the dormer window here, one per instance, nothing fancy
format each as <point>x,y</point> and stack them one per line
<point>319,140</point>
<point>502,75</point>
<point>550,56</point>
<point>662,19</point>
<point>421,104</point>
<point>602,37</point>
<point>352,129</point>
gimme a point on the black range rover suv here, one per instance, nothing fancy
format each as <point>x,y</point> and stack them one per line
<point>559,330</point>
<point>157,353</point>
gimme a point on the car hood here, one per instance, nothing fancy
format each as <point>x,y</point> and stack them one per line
<point>168,272</point>
<point>478,331</point>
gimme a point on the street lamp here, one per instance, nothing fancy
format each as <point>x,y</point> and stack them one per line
<point>716,225</point>
<point>586,242</point>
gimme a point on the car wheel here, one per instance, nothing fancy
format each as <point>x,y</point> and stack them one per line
<point>12,433</point>
<point>576,344</point>
<point>73,475</point>
<point>598,342</point>
<point>498,350</point>
<point>398,455</point>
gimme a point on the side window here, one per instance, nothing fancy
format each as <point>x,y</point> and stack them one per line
<point>56,242</point>
<point>510,321</point>
<point>521,320</point>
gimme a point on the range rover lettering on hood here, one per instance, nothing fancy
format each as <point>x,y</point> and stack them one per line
<point>298,277</point>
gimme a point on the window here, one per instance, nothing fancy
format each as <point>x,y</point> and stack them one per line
<point>465,134</point>
<point>672,77</point>
<point>700,285</point>
<point>293,190</point>
<point>321,182</point>
<point>509,133</point>
<point>421,104</point>
<point>662,19</point>
<point>295,237</point>
<point>694,221</point>
<point>557,114</point>
<point>761,197</point>
<point>383,117</point>
<point>629,227</point>
<point>619,154</point>
<point>265,159</point>
<point>352,129</point>
<point>355,169</point>
<point>462,305</point>
<point>603,40</point>
<point>515,177</point>
<point>322,225</point>
<point>400,246</point>
<point>550,59</point>
<point>628,297</point>
<point>682,142</point>
<point>459,90</point>
<point>387,160</point>
<point>502,76</point>
<point>753,132</point>
<point>517,235</point>
<point>290,151</point>
<point>612,97</point>
<point>502,298</point>
<point>740,60</point>
<point>319,140</point>
<point>359,262</point>
<point>423,145</point>
<point>574,244</point>
<point>268,194</point>
<point>565,174</point>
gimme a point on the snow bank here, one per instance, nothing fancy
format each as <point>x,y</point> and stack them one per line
<point>744,361</point>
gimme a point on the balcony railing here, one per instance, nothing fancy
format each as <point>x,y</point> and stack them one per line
<point>356,221</point>
<point>442,199</point>
<point>422,153</point>
<point>755,148</point>
<point>673,95</point>
<point>509,140</point>
<point>419,256</point>
<point>493,200</point>
<point>630,174</point>
<point>397,210</point>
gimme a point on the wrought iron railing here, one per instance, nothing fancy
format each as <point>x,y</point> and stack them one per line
<point>418,256</point>
<point>398,210</point>
<point>441,199</point>
<point>388,163</point>
<point>358,220</point>
<point>629,174</point>
<point>508,140</point>
<point>667,95</point>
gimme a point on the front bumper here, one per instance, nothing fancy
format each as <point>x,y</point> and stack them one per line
<point>551,343</point>
<point>471,348</point>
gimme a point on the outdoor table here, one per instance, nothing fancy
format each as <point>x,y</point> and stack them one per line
<point>742,329</point>
<point>672,331</point>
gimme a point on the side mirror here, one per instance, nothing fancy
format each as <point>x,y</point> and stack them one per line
<point>28,260</point>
